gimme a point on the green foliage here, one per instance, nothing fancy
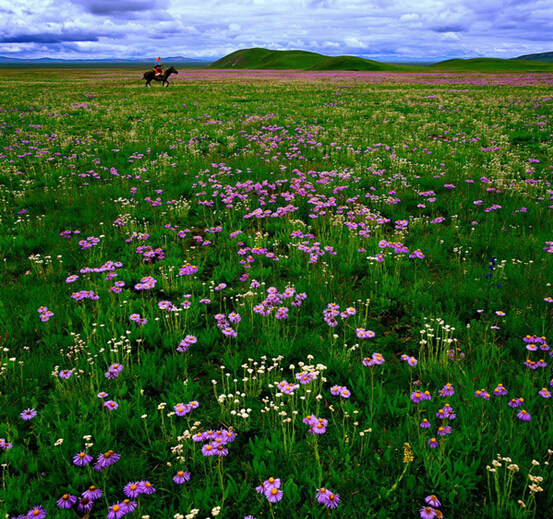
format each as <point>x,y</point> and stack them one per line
<point>417,203</point>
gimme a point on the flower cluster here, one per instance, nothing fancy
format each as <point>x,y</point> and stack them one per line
<point>113,371</point>
<point>4,445</point>
<point>146,283</point>
<point>187,270</point>
<point>91,241</point>
<point>271,489</point>
<point>138,319</point>
<point>316,425</point>
<point>286,387</point>
<point>431,511</point>
<point>327,497</point>
<point>183,409</point>
<point>216,441</point>
<point>186,342</point>
<point>44,314</point>
<point>342,391</point>
<point>84,294</point>
<point>376,359</point>
<point>412,361</point>
<point>150,254</point>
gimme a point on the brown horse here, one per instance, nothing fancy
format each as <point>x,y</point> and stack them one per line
<point>151,76</point>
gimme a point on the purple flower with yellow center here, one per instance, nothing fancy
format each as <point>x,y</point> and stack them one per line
<point>345,392</point>
<point>28,414</point>
<point>482,393</point>
<point>447,390</point>
<point>432,443</point>
<point>444,429</point>
<point>432,500</point>
<point>129,506</point>
<point>85,504</point>
<point>271,483</point>
<point>66,501</point>
<point>105,460</point>
<point>116,511</point>
<point>335,390</point>
<point>412,361</point>
<point>92,493</point>
<point>66,373</point>
<point>102,394</point>
<point>545,393</point>
<point>332,500</point>
<point>500,390</point>
<point>516,402</point>
<point>82,459</point>
<point>132,489</point>
<point>111,405</point>
<point>416,397</point>
<point>364,334</point>
<point>427,512</point>
<point>208,450</point>
<point>182,409</point>
<point>448,412</point>
<point>146,487</point>
<point>36,512</point>
<point>181,477</point>
<point>425,424</point>
<point>524,415</point>
<point>273,495</point>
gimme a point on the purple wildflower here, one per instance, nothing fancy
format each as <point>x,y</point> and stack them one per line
<point>132,489</point>
<point>66,501</point>
<point>37,512</point>
<point>146,487</point>
<point>432,500</point>
<point>28,414</point>
<point>92,493</point>
<point>105,460</point>
<point>181,476</point>
<point>116,511</point>
<point>82,459</point>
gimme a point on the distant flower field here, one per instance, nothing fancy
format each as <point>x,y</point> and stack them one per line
<point>275,295</point>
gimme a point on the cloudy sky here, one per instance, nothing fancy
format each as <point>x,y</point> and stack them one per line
<point>381,29</point>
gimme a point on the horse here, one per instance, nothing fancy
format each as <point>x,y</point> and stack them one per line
<point>151,76</point>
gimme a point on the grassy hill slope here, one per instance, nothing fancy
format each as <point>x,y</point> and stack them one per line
<point>542,56</point>
<point>301,60</point>
<point>492,65</point>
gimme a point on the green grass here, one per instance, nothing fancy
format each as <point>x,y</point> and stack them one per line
<point>493,65</point>
<point>305,183</point>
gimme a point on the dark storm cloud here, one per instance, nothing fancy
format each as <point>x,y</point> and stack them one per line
<point>449,28</point>
<point>109,7</point>
<point>48,38</point>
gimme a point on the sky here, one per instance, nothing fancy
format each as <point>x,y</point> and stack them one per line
<point>389,30</point>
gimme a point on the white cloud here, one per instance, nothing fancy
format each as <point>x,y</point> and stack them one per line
<point>382,27</point>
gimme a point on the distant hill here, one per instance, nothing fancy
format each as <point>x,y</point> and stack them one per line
<point>173,59</point>
<point>492,65</point>
<point>266,59</point>
<point>543,56</point>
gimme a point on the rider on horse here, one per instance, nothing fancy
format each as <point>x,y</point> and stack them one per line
<point>158,67</point>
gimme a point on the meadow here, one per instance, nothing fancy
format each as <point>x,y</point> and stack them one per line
<point>275,294</point>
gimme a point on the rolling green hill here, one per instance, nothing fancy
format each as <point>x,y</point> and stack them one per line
<point>301,60</point>
<point>269,59</point>
<point>492,65</point>
<point>361,64</point>
<point>542,56</point>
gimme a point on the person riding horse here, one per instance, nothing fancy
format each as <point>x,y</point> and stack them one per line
<point>158,67</point>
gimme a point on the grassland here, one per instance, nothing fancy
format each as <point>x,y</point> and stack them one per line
<point>249,252</point>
